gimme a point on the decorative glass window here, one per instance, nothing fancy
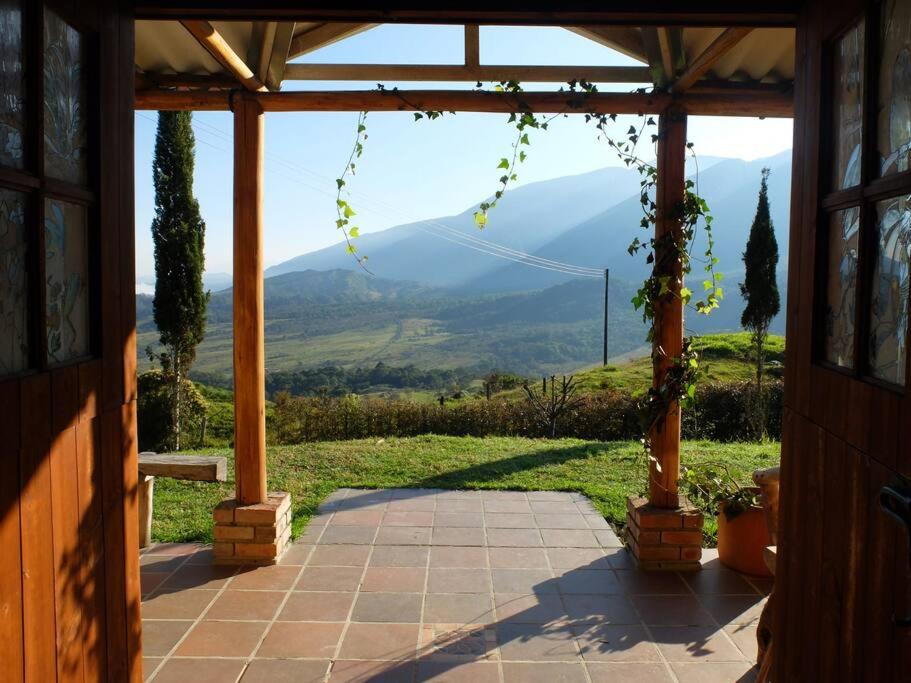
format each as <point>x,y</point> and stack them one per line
<point>889,296</point>
<point>894,115</point>
<point>65,98</point>
<point>848,105</point>
<point>13,283</point>
<point>844,231</point>
<point>12,85</point>
<point>66,272</point>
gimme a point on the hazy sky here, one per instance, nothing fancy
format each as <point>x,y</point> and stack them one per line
<point>410,170</point>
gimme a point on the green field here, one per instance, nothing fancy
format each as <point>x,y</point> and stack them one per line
<point>606,472</point>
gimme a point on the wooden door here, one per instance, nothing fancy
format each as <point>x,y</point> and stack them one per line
<point>843,575</point>
<point>69,580</point>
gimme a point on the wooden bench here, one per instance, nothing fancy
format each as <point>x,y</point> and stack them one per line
<point>187,467</point>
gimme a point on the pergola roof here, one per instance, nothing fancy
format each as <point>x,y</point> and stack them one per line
<point>171,54</point>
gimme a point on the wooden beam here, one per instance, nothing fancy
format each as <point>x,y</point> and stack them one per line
<point>472,46</point>
<point>664,48</point>
<point>278,57</point>
<point>223,53</point>
<point>264,53</point>
<point>754,104</point>
<point>322,35</point>
<point>459,72</point>
<point>624,39</point>
<point>201,81</point>
<point>664,466</point>
<point>249,332</point>
<point>653,55</point>
<point>715,51</point>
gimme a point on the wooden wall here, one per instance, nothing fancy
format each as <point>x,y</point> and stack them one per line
<point>843,565</point>
<point>69,574</point>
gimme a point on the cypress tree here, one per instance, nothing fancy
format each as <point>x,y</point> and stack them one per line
<point>760,289</point>
<point>178,232</point>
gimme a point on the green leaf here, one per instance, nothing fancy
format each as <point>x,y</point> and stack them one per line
<point>354,231</point>
<point>349,212</point>
<point>480,219</point>
<point>504,163</point>
<point>340,183</point>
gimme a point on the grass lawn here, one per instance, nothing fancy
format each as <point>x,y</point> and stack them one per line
<point>605,472</point>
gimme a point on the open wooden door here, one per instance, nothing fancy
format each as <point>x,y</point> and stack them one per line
<point>69,580</point>
<point>843,578</point>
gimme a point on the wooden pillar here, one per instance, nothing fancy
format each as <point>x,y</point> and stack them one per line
<point>664,470</point>
<point>249,333</point>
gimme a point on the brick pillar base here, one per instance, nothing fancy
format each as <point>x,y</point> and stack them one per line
<point>252,534</point>
<point>667,539</point>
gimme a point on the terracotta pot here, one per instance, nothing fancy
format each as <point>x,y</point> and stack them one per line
<point>741,540</point>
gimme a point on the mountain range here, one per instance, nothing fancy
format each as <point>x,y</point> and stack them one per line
<point>438,297</point>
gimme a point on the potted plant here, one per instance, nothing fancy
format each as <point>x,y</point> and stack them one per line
<point>742,528</point>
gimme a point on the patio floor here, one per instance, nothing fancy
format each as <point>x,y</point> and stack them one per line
<point>416,584</point>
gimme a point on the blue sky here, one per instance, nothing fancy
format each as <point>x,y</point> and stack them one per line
<point>409,170</point>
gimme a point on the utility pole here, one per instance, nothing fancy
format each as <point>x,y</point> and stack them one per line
<point>606,281</point>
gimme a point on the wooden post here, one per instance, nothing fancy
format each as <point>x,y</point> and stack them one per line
<point>664,470</point>
<point>249,353</point>
<point>146,486</point>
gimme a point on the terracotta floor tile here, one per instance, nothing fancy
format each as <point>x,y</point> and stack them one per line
<point>297,554</point>
<point>518,558</point>
<point>394,579</point>
<point>561,521</point>
<point>514,538</point>
<point>357,518</point>
<point>506,520</point>
<point>286,671</point>
<point>549,496</point>
<point>614,672</point>
<point>458,519</point>
<point>710,672</point>
<point>174,549</point>
<point>275,577</point>
<point>569,538</point>
<point>199,576</point>
<point>388,607</point>
<point>596,521</point>
<point>528,642</point>
<point>457,672</point>
<point>608,609</point>
<point>301,639</point>
<point>200,671</point>
<point>607,538</point>
<point>339,556</point>
<point>720,582</point>
<point>510,506</point>
<point>588,581</point>
<point>380,641</point>
<point>543,672</point>
<point>330,579</point>
<point>733,609</point>
<point>529,581</point>
<point>159,637</point>
<point>577,558</point>
<point>372,672</point>
<point>399,556</point>
<point>360,535</point>
<point>407,518</point>
<point>469,536</point>
<point>636,582</point>
<point>403,535</point>
<point>458,642</point>
<point>529,609</point>
<point>222,639</point>
<point>461,608</point>
<point>160,564</point>
<point>149,664</point>
<point>616,643</point>
<point>460,556</point>
<point>695,644</point>
<point>203,555</point>
<point>458,580</point>
<point>457,505</point>
<point>185,604</point>
<point>318,606</point>
<point>546,507</point>
<point>491,494</point>
<point>246,605</point>
<point>149,581</point>
<point>620,558</point>
<point>744,637</point>
<point>671,610</point>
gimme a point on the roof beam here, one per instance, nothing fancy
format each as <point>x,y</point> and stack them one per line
<point>322,35</point>
<point>623,39</point>
<point>460,72</point>
<point>736,104</point>
<point>703,62</point>
<point>223,53</point>
<point>278,56</point>
<point>472,46</point>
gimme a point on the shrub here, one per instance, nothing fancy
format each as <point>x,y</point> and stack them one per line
<point>154,407</point>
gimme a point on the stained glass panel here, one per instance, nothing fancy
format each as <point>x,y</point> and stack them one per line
<point>889,304</point>
<point>848,96</point>
<point>844,229</point>
<point>894,115</point>
<point>13,284</point>
<point>12,85</point>
<point>65,100</point>
<point>66,271</point>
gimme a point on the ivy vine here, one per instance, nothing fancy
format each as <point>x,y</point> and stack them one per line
<point>344,211</point>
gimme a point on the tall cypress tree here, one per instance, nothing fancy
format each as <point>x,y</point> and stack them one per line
<point>760,289</point>
<point>178,232</point>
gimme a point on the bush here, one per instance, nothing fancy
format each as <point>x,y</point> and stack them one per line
<point>720,415</point>
<point>154,405</point>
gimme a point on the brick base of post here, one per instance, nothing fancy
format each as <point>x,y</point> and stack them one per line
<point>668,539</point>
<point>252,534</point>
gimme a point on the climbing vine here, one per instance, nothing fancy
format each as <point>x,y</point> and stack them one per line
<point>344,211</point>
<point>665,282</point>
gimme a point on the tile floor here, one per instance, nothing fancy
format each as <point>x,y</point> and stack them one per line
<point>419,585</point>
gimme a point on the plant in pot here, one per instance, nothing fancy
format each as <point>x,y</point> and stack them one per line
<point>742,529</point>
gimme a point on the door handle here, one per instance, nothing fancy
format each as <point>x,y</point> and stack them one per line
<point>895,501</point>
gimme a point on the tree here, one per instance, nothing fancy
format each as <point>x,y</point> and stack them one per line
<point>178,232</point>
<point>760,289</point>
